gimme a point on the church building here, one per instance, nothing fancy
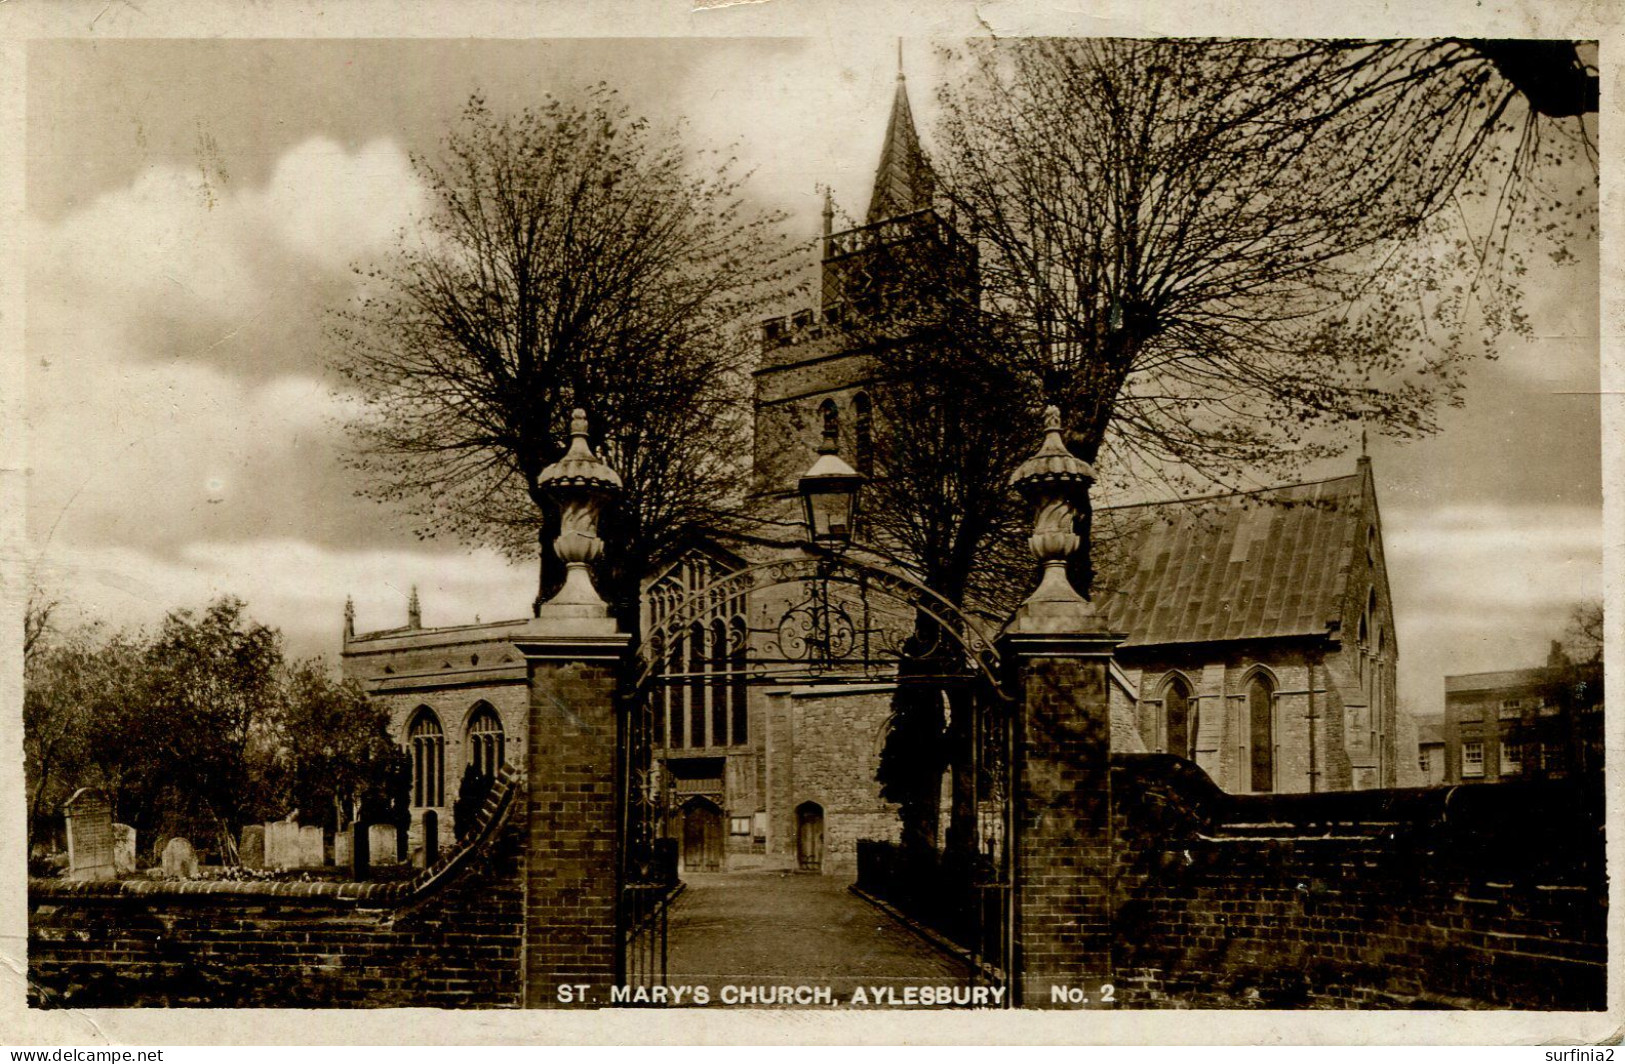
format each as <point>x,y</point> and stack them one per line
<point>1259,626</point>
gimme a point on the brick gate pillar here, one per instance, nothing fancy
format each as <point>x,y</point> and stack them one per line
<point>1062,853</point>
<point>573,652</point>
<point>572,809</point>
<point>1061,765</point>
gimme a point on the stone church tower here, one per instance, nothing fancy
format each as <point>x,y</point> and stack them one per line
<point>880,283</point>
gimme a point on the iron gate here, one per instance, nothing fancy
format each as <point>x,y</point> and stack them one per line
<point>826,619</point>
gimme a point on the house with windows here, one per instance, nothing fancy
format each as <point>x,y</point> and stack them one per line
<point>1544,721</point>
<point>1430,752</point>
<point>1260,640</point>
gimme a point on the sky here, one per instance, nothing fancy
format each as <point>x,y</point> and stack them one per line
<point>194,210</point>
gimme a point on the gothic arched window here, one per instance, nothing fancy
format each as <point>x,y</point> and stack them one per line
<point>485,740</point>
<point>863,424</point>
<point>1261,732</point>
<point>428,741</point>
<point>1179,722</point>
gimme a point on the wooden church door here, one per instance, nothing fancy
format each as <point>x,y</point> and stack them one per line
<point>702,837</point>
<point>810,837</point>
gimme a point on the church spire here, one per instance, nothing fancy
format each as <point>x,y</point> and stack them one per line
<point>903,179</point>
<point>414,612</point>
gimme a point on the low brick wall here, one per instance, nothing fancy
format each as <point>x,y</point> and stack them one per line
<point>451,936</point>
<point>1470,897</point>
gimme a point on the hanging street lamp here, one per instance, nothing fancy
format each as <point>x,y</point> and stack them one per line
<point>829,494</point>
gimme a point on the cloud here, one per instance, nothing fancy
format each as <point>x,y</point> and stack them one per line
<point>293,585</point>
<point>183,265</point>
<point>177,387</point>
<point>1483,587</point>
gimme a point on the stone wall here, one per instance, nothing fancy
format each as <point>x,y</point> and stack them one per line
<point>1477,897</point>
<point>450,937</point>
<point>825,748</point>
<point>1309,703</point>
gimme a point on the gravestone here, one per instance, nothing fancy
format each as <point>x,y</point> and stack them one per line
<point>251,850</point>
<point>381,843</point>
<point>179,860</point>
<point>90,835</point>
<point>123,849</point>
<point>342,853</point>
<point>359,837</point>
<point>282,845</point>
<point>312,850</point>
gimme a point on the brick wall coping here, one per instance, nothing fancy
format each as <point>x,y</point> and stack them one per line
<point>493,814</point>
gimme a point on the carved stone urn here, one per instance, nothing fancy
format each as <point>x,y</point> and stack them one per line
<point>1055,482</point>
<point>581,483</point>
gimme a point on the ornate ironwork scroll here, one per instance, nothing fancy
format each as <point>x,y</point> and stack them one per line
<point>844,621</point>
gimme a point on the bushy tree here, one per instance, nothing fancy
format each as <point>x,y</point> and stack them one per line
<point>335,749</point>
<point>471,795</point>
<point>199,728</point>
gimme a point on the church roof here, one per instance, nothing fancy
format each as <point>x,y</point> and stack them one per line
<point>903,179</point>
<point>1252,565</point>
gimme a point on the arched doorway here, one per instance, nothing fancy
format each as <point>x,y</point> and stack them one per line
<point>702,836</point>
<point>810,837</point>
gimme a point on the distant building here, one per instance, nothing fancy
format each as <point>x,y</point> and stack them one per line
<point>1430,756</point>
<point>1544,721</point>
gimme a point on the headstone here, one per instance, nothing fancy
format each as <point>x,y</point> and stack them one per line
<point>251,850</point>
<point>312,850</point>
<point>359,837</point>
<point>431,837</point>
<point>282,845</point>
<point>381,843</point>
<point>123,849</point>
<point>90,835</point>
<point>342,854</point>
<point>179,860</point>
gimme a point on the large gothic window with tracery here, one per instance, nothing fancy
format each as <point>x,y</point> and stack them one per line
<point>703,704</point>
<point>485,740</point>
<point>428,743</point>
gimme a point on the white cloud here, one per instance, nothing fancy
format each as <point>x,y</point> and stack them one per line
<point>292,585</point>
<point>176,386</point>
<point>1485,587</point>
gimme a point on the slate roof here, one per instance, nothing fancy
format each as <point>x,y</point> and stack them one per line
<point>1256,565</point>
<point>903,180</point>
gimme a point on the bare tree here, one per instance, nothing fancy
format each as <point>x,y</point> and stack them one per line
<point>1215,254</point>
<point>575,257</point>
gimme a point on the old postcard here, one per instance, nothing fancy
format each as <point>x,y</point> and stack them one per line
<point>965,524</point>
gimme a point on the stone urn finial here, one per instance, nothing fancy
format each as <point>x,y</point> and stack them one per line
<point>1056,482</point>
<point>581,483</point>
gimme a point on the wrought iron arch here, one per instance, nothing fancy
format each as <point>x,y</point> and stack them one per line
<point>852,621</point>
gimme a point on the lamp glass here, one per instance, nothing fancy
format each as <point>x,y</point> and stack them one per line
<point>830,503</point>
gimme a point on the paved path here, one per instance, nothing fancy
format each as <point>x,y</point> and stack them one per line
<point>771,928</point>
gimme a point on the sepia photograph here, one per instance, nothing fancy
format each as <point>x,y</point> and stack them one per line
<point>846,524</point>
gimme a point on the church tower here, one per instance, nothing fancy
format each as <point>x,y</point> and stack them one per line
<point>883,282</point>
